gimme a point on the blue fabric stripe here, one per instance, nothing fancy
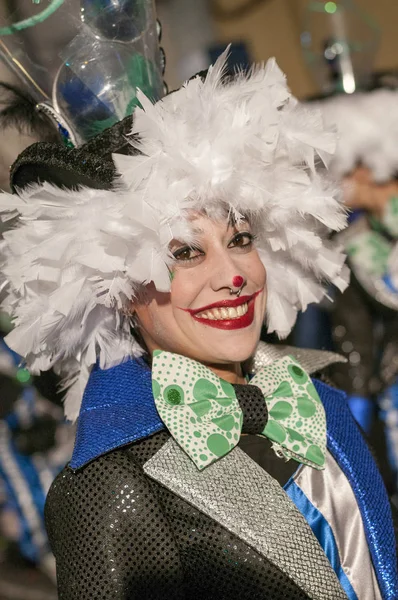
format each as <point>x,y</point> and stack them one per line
<point>16,358</point>
<point>349,449</point>
<point>28,472</point>
<point>389,283</point>
<point>322,531</point>
<point>388,402</point>
<point>363,410</point>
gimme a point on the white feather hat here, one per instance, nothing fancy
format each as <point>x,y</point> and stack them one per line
<point>367,126</point>
<point>240,144</point>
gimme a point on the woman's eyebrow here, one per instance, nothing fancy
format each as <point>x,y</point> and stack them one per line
<point>197,231</point>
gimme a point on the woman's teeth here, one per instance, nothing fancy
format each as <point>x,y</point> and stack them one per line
<point>224,313</point>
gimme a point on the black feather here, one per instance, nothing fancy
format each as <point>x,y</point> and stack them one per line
<point>18,110</point>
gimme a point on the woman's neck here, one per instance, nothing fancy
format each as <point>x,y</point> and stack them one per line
<point>232,373</point>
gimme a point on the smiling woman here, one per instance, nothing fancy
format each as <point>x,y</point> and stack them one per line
<point>206,464</point>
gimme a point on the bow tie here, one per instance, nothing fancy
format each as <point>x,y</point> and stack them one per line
<point>203,414</point>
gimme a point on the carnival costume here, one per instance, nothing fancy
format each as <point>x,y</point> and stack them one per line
<point>163,497</point>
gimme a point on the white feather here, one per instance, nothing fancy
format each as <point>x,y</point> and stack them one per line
<point>367,125</point>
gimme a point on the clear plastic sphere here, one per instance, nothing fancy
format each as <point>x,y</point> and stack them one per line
<point>97,86</point>
<point>117,20</point>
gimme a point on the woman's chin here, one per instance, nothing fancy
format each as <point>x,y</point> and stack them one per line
<point>233,346</point>
<point>232,354</point>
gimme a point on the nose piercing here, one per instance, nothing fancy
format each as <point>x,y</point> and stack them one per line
<point>237,282</point>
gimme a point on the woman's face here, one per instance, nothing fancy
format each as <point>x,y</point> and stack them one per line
<point>199,317</point>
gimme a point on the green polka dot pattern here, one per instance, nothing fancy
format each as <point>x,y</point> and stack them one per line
<point>199,409</point>
<point>370,251</point>
<point>297,423</point>
<point>203,415</point>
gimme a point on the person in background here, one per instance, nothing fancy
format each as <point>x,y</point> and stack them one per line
<point>365,317</point>
<point>35,442</point>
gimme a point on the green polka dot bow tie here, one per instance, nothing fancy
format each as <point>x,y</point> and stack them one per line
<point>203,414</point>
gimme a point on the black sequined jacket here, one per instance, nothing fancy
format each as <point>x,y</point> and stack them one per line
<point>141,523</point>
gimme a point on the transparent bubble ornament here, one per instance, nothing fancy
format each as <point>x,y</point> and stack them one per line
<point>105,51</point>
<point>121,20</point>
<point>27,21</point>
<point>340,42</point>
<point>115,53</point>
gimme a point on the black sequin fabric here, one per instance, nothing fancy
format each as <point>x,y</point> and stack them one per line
<point>368,340</point>
<point>254,407</point>
<point>109,534</point>
<point>116,534</point>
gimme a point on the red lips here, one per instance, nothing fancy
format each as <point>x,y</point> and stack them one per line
<point>228,324</point>
<point>223,304</point>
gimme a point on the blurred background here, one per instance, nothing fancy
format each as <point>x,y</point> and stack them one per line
<point>192,29</point>
<point>81,61</point>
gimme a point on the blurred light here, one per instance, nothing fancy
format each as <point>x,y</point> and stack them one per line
<point>23,375</point>
<point>329,53</point>
<point>337,48</point>
<point>349,83</point>
<point>331,7</point>
<point>306,37</point>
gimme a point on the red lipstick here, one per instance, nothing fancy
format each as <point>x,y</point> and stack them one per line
<point>229,324</point>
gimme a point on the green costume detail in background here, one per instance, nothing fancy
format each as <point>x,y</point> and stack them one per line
<point>371,250</point>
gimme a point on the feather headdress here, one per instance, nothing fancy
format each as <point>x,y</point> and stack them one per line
<point>238,145</point>
<point>367,125</point>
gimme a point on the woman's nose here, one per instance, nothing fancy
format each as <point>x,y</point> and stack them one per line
<point>227,274</point>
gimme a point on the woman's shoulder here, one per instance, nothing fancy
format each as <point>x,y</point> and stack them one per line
<point>107,514</point>
<point>100,479</point>
<point>111,474</point>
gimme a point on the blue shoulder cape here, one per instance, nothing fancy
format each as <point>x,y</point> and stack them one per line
<point>118,408</point>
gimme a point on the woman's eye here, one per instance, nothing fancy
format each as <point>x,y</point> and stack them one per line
<point>241,240</point>
<point>186,253</point>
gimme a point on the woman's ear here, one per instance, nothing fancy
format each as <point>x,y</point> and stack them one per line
<point>138,334</point>
<point>139,299</point>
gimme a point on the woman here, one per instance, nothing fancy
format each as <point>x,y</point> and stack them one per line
<point>190,478</point>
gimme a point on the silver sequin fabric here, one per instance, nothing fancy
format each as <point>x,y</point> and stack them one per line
<point>248,502</point>
<point>311,360</point>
